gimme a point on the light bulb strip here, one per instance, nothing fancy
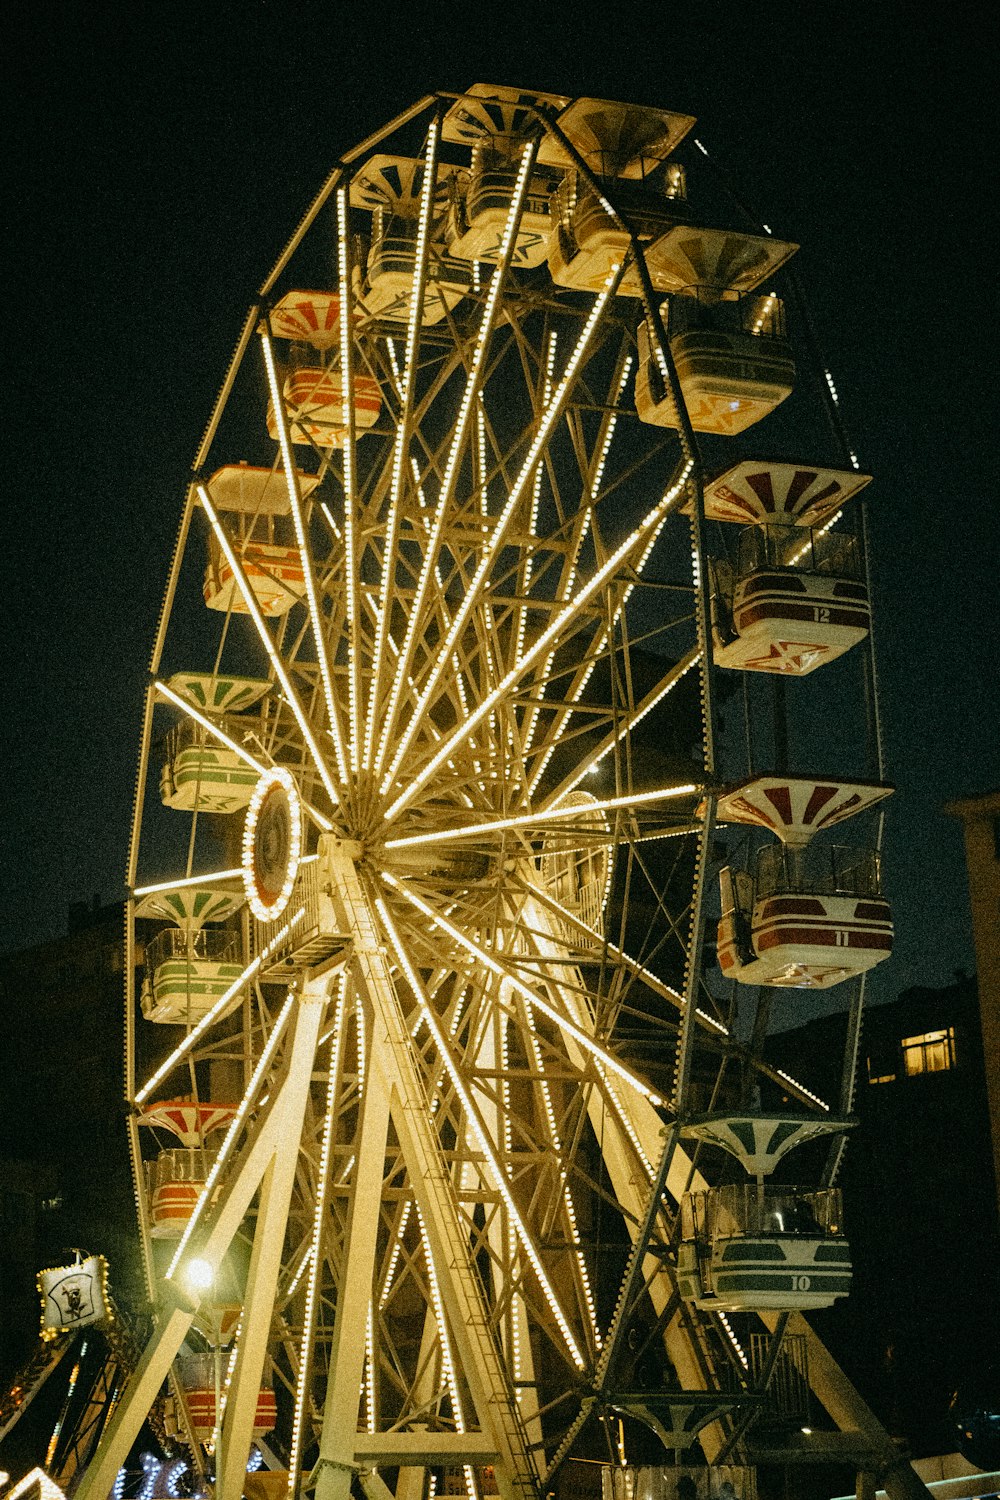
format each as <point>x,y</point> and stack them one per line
<point>666,505</point>
<point>397,1250</point>
<point>236,1125</point>
<point>293,1285</point>
<point>625,726</point>
<point>401,442</point>
<point>481,956</point>
<point>369,1375</point>
<point>447,1359</point>
<point>532,716</point>
<point>351,560</point>
<point>253,608</point>
<point>218,1009</point>
<point>552,413</point>
<point>278,782</point>
<point>305,551</point>
<point>186,882</point>
<point>639,538</point>
<point>315,1251</point>
<point>566,1194</point>
<point>478,1129</point>
<point>740,1353</point>
<point>516,1301</point>
<point>213,729</point>
<point>470,395</point>
<point>527,564</point>
<point>609,424</point>
<point>522,820</point>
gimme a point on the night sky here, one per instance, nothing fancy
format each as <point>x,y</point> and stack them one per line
<point>160,156</point>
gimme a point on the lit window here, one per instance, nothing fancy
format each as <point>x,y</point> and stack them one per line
<point>882,1063</point>
<point>934,1052</point>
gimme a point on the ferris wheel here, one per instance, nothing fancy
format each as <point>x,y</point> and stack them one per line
<point>428,1068</point>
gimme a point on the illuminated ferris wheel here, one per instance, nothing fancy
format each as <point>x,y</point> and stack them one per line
<point>431,1078</point>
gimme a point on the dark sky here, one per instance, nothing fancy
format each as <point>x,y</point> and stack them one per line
<point>159,156</point>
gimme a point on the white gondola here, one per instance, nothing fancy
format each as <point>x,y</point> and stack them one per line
<point>497,123</point>
<point>255,500</point>
<point>747,1247</point>
<point>199,774</point>
<point>794,600</point>
<point>588,241</point>
<point>805,918</point>
<point>614,138</point>
<point>759,1141</point>
<point>733,361</point>
<point>390,187</point>
<point>480,208</point>
<point>614,141</point>
<point>187,972</point>
<point>218,692</point>
<point>497,113</point>
<point>720,262</point>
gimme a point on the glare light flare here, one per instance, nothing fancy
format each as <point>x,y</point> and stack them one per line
<point>473,387</point>
<point>218,1009</point>
<point>314,1253</point>
<point>563,1022</point>
<point>305,551</point>
<point>418,285</point>
<point>478,1130</point>
<point>644,535</point>
<point>250,600</point>
<point>661,511</point>
<point>246,1104</point>
<point>546,422</point>
<point>521,820</point>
